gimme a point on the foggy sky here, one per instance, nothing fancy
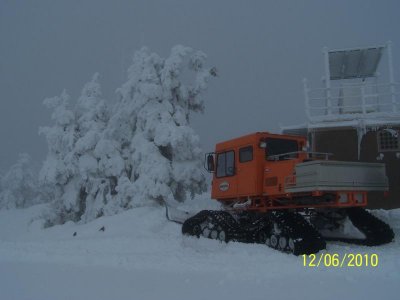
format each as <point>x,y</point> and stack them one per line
<point>262,50</point>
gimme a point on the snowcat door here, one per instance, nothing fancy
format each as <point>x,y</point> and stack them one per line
<point>247,172</point>
<point>281,158</point>
<point>224,183</point>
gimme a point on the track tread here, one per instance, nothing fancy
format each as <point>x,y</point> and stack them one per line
<point>376,231</point>
<point>218,219</point>
<point>306,238</point>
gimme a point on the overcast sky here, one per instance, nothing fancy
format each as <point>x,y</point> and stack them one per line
<point>262,50</point>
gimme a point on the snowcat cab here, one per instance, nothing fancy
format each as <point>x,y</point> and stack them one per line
<point>264,171</point>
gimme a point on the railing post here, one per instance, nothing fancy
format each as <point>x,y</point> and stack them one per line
<point>307,99</point>
<point>391,76</point>
<point>327,82</point>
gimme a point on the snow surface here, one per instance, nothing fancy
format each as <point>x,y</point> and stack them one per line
<point>140,255</point>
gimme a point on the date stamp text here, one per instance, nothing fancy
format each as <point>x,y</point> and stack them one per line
<point>353,260</point>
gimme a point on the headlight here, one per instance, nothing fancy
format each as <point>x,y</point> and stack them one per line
<point>358,197</point>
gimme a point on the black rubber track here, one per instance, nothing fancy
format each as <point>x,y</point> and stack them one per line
<point>218,219</point>
<point>306,238</point>
<point>376,231</point>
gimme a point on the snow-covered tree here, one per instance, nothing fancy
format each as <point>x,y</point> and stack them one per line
<point>60,166</point>
<point>72,166</point>
<point>92,117</point>
<point>151,124</point>
<point>61,138</point>
<point>142,152</point>
<point>19,186</point>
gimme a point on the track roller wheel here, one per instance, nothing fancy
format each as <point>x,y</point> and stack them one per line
<point>205,232</point>
<point>283,242</point>
<point>274,241</point>
<point>222,236</point>
<point>214,234</point>
<point>197,230</point>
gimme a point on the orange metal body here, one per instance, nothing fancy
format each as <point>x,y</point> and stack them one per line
<point>259,184</point>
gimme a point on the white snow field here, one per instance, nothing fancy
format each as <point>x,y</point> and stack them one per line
<point>140,255</point>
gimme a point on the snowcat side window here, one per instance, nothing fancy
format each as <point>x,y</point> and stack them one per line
<point>225,164</point>
<point>230,163</point>
<point>276,147</point>
<point>221,163</point>
<point>246,154</point>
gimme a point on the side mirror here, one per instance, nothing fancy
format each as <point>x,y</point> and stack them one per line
<point>210,165</point>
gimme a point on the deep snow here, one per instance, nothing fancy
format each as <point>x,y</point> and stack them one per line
<point>140,255</point>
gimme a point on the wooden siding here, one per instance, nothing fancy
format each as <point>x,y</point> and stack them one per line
<point>343,143</point>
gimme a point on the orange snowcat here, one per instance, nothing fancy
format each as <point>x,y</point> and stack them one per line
<point>275,192</point>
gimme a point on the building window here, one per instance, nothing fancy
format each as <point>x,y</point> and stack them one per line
<point>246,154</point>
<point>225,164</point>
<point>388,140</point>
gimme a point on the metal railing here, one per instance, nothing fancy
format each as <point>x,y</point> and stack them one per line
<point>351,101</point>
<point>312,155</point>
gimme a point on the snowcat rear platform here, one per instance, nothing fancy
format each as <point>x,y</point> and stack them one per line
<point>326,175</point>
